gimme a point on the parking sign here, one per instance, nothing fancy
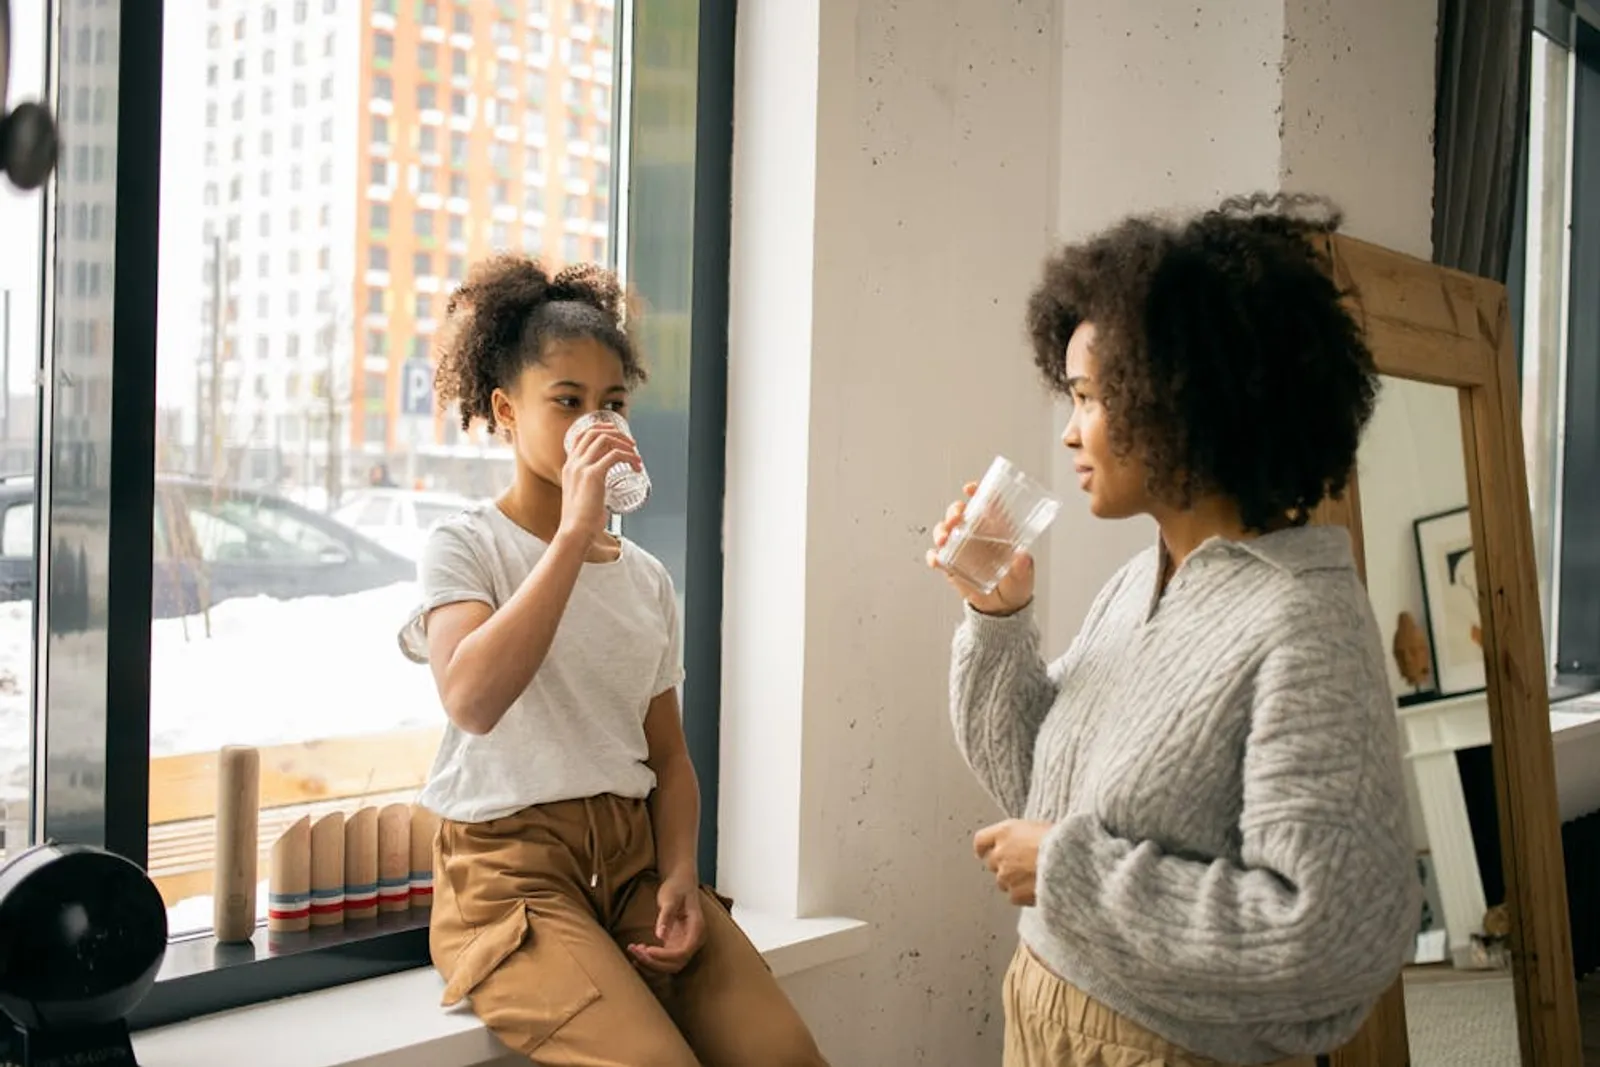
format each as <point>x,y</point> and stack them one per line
<point>416,397</point>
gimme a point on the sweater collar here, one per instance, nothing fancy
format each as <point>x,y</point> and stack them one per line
<point>1296,550</point>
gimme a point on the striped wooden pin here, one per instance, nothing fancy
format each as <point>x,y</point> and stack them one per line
<point>394,858</point>
<point>289,884</point>
<point>424,827</point>
<point>361,865</point>
<point>327,870</point>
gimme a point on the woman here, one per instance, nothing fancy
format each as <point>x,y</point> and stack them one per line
<point>1208,835</point>
<point>567,905</point>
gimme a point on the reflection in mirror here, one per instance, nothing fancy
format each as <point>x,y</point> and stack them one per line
<point>1423,580</point>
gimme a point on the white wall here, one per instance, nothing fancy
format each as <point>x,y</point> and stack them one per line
<point>894,177</point>
<point>899,175</point>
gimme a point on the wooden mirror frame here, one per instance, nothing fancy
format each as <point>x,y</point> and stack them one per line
<point>1430,324</point>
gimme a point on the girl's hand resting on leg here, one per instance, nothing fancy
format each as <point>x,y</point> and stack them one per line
<point>680,929</point>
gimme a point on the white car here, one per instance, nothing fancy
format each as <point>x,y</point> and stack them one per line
<point>398,519</point>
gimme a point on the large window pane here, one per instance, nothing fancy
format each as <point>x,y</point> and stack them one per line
<point>301,459</point>
<point>1546,293</point>
<point>21,304</point>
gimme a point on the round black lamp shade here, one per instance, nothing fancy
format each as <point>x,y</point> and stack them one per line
<point>82,934</point>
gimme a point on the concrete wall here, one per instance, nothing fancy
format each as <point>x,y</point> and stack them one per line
<point>899,175</point>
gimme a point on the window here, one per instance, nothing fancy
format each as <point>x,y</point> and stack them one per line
<point>428,141</point>
<point>422,265</point>
<point>383,47</point>
<point>1559,226</point>
<point>427,98</point>
<point>285,576</point>
<point>458,149</point>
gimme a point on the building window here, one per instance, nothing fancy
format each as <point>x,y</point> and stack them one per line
<point>424,308</point>
<point>423,223</point>
<point>427,98</point>
<point>380,130</point>
<point>458,229</point>
<point>383,47</point>
<point>380,217</point>
<point>458,64</point>
<point>428,57</point>
<point>463,21</point>
<point>382,88</point>
<point>377,258</point>
<point>422,265</point>
<point>1559,226</point>
<point>458,186</point>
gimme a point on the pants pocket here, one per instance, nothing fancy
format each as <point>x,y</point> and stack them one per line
<point>524,983</point>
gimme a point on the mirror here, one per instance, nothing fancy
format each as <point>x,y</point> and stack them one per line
<point>1421,572</point>
<point>1440,516</point>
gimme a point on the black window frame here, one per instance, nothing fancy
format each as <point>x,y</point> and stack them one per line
<point>97,493</point>
<point>1577,623</point>
<point>1574,641</point>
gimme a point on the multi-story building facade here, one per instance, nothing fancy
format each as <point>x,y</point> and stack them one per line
<point>359,156</point>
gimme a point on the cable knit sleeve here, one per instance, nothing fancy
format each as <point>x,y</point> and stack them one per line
<point>1001,690</point>
<point>1317,914</point>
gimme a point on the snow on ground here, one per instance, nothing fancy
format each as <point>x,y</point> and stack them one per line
<point>270,672</point>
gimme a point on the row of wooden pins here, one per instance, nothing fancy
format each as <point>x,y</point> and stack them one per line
<point>340,869</point>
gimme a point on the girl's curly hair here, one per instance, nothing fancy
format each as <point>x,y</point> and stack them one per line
<point>1227,360</point>
<point>497,323</point>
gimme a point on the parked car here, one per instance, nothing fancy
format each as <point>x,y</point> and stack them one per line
<point>398,519</point>
<point>215,543</point>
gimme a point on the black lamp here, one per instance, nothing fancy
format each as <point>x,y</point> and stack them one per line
<point>28,142</point>
<point>82,934</point>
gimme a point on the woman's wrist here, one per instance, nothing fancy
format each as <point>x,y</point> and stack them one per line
<point>1000,611</point>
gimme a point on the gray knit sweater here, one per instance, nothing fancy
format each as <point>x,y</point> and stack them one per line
<point>1230,864</point>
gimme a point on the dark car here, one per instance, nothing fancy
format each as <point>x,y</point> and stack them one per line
<point>217,543</point>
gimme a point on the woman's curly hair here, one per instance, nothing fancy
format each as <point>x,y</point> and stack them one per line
<point>498,321</point>
<point>1226,358</point>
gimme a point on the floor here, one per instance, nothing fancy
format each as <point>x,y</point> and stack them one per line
<point>1469,1019</point>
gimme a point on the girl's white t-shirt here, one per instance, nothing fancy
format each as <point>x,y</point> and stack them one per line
<point>578,729</point>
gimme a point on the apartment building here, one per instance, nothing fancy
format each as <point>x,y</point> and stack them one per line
<point>358,157</point>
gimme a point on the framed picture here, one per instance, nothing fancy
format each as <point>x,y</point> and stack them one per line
<point>1450,597</point>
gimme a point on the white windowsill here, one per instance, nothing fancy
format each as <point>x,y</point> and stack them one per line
<point>396,1021</point>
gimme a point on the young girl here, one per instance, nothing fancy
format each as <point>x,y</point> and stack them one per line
<point>566,901</point>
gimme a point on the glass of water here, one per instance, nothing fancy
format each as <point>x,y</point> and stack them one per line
<point>1004,517</point>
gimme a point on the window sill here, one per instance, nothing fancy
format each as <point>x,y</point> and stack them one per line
<point>396,1021</point>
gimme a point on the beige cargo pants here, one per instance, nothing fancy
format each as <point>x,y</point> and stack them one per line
<point>1051,1024</point>
<point>530,916</point>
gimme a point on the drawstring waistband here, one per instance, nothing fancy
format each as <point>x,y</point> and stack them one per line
<point>591,843</point>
